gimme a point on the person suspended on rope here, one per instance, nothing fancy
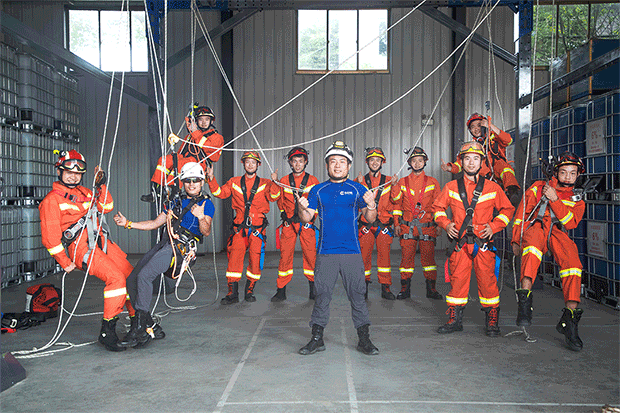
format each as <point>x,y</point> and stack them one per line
<point>551,208</point>
<point>337,202</point>
<point>413,197</point>
<point>74,231</point>
<point>188,220</point>
<point>472,199</point>
<point>203,145</point>
<point>250,201</point>
<point>381,229</point>
<point>495,166</point>
<point>291,226</point>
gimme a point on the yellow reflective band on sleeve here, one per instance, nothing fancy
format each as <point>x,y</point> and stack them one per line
<point>455,195</point>
<point>64,207</point>
<point>202,141</point>
<point>406,270</point>
<point>115,293</point>
<point>456,301</point>
<point>440,214</point>
<point>275,196</point>
<point>570,271</point>
<point>518,221</point>
<point>487,197</point>
<point>430,268</point>
<point>237,188</point>
<point>509,170</point>
<point>567,218</point>
<point>261,188</point>
<point>534,189</point>
<point>458,166</point>
<point>163,169</point>
<point>367,272</point>
<point>287,190</point>
<point>217,191</point>
<point>233,274</point>
<point>109,205</point>
<point>285,273</point>
<point>56,250</point>
<point>397,212</point>
<point>384,269</point>
<point>429,188</point>
<point>308,272</point>
<point>252,276</point>
<point>86,205</point>
<point>568,203</point>
<point>503,218</point>
<point>308,188</point>
<point>489,301</point>
<point>534,251</point>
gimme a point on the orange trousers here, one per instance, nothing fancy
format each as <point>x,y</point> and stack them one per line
<point>288,238</point>
<point>427,254</point>
<point>237,247</point>
<point>164,170</point>
<point>384,246</point>
<point>564,252</point>
<point>503,170</point>
<point>460,275</point>
<point>112,268</point>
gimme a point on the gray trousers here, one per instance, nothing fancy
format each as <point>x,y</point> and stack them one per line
<point>150,266</point>
<point>326,270</point>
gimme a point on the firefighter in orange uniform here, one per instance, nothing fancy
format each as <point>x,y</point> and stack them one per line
<point>413,198</point>
<point>69,225</point>
<point>291,225</point>
<point>496,166</point>
<point>472,199</point>
<point>550,209</point>
<point>381,230</point>
<point>203,145</point>
<point>250,200</point>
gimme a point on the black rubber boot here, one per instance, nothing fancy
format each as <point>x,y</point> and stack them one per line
<point>455,322</point>
<point>280,295</point>
<point>311,295</point>
<point>138,335</point>
<point>155,193</point>
<point>158,332</point>
<point>512,193</point>
<point>108,337</point>
<point>366,293</point>
<point>405,289</point>
<point>249,291</point>
<point>386,293</point>
<point>491,321</point>
<point>431,292</point>
<point>233,294</point>
<point>568,326</point>
<point>365,345</point>
<point>316,342</point>
<point>524,310</point>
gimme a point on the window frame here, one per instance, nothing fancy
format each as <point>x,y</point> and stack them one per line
<point>343,72</point>
<point>99,9</point>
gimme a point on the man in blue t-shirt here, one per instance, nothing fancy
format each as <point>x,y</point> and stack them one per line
<point>195,213</point>
<point>337,202</point>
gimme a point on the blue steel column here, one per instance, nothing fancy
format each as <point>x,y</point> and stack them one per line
<point>524,83</point>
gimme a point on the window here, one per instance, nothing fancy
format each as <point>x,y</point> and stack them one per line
<point>112,40</point>
<point>329,40</point>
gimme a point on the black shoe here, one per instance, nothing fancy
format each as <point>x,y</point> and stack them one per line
<point>312,295</point>
<point>491,321</point>
<point>386,293</point>
<point>431,292</point>
<point>568,326</point>
<point>140,333</point>
<point>405,289</point>
<point>233,294</point>
<point>154,195</point>
<point>316,342</point>
<point>366,293</point>
<point>455,322</point>
<point>525,309</point>
<point>108,337</point>
<point>249,291</point>
<point>365,345</point>
<point>280,295</point>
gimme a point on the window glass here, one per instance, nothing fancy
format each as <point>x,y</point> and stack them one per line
<point>115,41</point>
<point>342,39</point>
<point>139,49</point>
<point>372,24</point>
<point>605,21</point>
<point>312,40</point>
<point>84,34</point>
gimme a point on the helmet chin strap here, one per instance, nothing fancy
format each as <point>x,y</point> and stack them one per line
<point>66,184</point>
<point>472,173</point>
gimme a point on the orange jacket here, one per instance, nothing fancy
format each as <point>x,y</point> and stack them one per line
<point>63,207</point>
<point>402,202</point>
<point>385,207</point>
<point>260,203</point>
<point>206,141</point>
<point>496,149</point>
<point>492,197</point>
<point>567,211</point>
<point>284,196</point>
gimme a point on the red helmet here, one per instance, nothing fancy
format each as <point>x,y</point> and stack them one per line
<point>569,158</point>
<point>417,151</point>
<point>201,111</point>
<point>251,155</point>
<point>375,151</point>
<point>474,116</point>
<point>297,151</point>
<point>71,161</point>
<point>472,147</point>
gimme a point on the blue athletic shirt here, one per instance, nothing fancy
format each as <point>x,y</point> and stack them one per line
<point>189,221</point>
<point>338,205</point>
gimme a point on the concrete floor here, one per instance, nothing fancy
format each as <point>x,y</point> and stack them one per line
<point>243,358</point>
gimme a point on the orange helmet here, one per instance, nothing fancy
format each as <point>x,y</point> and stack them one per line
<point>569,158</point>
<point>251,155</point>
<point>471,147</point>
<point>375,151</point>
<point>474,116</point>
<point>417,151</point>
<point>71,161</point>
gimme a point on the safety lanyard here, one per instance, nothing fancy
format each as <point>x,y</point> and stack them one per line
<point>304,182</point>
<point>248,200</point>
<point>469,207</point>
<point>188,148</point>
<point>415,208</point>
<point>369,185</point>
<point>193,201</point>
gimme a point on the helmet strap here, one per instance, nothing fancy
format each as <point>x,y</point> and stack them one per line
<point>71,186</point>
<point>474,174</point>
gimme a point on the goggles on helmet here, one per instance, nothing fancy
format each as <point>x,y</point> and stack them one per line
<point>69,164</point>
<point>375,151</point>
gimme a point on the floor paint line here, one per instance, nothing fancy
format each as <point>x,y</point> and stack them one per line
<point>421,402</point>
<point>349,371</point>
<point>235,376</point>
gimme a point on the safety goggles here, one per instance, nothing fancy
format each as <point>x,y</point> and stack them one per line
<point>74,163</point>
<point>192,180</point>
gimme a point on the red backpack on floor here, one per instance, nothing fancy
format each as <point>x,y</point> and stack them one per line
<point>43,299</point>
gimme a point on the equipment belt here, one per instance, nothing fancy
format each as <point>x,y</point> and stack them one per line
<point>295,218</point>
<point>466,230</point>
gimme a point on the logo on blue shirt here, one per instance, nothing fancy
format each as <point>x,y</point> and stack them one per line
<point>346,192</point>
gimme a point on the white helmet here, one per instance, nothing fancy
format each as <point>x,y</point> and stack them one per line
<point>192,170</point>
<point>339,148</point>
